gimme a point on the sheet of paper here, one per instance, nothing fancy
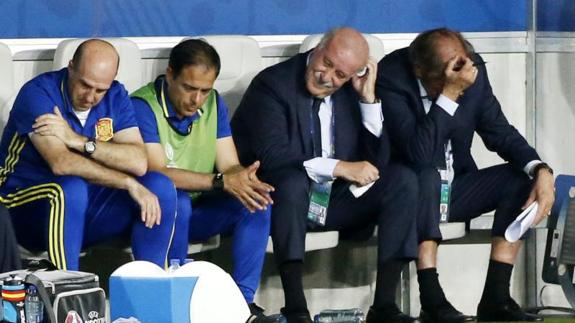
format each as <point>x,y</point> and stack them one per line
<point>358,191</point>
<point>522,223</point>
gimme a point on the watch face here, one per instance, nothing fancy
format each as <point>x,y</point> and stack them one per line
<point>90,147</point>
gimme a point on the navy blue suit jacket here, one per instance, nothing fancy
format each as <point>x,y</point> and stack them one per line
<point>419,139</point>
<point>272,122</point>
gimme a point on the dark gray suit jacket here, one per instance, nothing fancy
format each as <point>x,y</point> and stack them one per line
<point>419,139</point>
<point>272,122</point>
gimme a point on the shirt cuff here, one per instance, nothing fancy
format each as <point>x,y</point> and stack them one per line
<point>447,104</point>
<point>320,169</point>
<point>372,117</point>
<point>529,167</point>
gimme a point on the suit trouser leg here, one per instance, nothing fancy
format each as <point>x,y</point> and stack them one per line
<point>501,188</point>
<point>289,214</point>
<point>391,203</point>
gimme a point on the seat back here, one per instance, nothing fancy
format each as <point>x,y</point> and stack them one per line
<point>559,259</point>
<point>129,71</point>
<point>375,44</point>
<point>6,84</point>
<point>241,60</point>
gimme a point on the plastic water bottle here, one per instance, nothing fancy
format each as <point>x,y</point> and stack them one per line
<point>13,295</point>
<point>174,265</point>
<point>33,306</point>
<point>353,315</point>
<point>278,317</point>
<point>1,305</point>
<point>188,260</point>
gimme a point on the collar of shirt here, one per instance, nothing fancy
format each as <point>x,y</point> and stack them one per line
<point>68,108</point>
<point>181,124</point>
<point>424,97</point>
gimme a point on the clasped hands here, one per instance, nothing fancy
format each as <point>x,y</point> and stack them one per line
<point>244,184</point>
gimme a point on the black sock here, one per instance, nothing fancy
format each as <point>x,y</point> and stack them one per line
<point>291,277</point>
<point>388,277</point>
<point>496,290</point>
<point>430,292</point>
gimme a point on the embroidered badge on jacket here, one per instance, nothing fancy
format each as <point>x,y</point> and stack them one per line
<point>104,129</point>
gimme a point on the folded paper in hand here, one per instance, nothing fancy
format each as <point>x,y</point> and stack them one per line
<point>358,191</point>
<point>522,223</point>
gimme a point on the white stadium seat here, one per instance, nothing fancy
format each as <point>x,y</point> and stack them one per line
<point>7,94</point>
<point>241,60</point>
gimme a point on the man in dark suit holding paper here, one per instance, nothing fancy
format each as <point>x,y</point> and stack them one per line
<point>316,126</point>
<point>435,95</point>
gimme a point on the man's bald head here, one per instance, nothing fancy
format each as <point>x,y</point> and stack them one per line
<point>91,73</point>
<point>340,54</point>
<point>347,39</point>
<point>98,48</point>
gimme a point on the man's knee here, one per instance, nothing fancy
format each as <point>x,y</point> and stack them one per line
<point>159,184</point>
<point>74,187</point>
<point>516,181</point>
<point>404,181</point>
<point>263,218</point>
<point>291,188</point>
<point>428,178</point>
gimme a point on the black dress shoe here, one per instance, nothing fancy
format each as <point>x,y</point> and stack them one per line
<point>258,315</point>
<point>444,314</point>
<point>506,312</point>
<point>389,315</point>
<point>296,317</point>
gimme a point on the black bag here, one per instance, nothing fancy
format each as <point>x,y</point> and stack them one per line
<point>68,296</point>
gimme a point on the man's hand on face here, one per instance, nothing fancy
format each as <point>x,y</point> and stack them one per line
<point>246,187</point>
<point>53,124</point>
<point>365,84</point>
<point>360,173</point>
<point>543,192</point>
<point>459,75</point>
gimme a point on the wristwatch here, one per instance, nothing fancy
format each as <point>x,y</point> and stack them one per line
<point>218,182</point>
<point>90,147</point>
<point>538,167</point>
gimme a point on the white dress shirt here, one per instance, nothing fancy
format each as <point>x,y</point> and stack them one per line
<point>320,169</point>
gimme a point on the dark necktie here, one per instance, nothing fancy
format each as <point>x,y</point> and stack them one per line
<point>316,126</point>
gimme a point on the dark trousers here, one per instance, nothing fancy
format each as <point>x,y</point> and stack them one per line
<point>501,188</point>
<point>9,253</point>
<point>390,203</point>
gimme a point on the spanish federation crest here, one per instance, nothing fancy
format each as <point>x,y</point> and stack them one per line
<point>104,129</point>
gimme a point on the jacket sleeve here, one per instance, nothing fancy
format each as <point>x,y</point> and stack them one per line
<point>417,139</point>
<point>375,150</point>
<point>496,132</point>
<point>269,126</point>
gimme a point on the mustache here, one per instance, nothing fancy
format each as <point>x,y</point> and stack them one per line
<point>327,85</point>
